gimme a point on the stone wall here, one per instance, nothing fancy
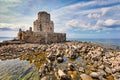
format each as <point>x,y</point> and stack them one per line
<point>39,37</point>
<point>56,37</point>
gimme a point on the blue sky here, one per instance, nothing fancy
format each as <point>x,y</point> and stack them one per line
<point>77,18</point>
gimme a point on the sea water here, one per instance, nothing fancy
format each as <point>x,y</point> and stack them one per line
<point>103,41</point>
<point>5,38</point>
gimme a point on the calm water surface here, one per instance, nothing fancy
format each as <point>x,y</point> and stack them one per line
<point>16,69</point>
<point>5,38</point>
<point>103,41</point>
<point>27,67</point>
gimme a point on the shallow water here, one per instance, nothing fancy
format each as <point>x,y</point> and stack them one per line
<point>21,68</point>
<point>27,67</point>
<point>16,69</point>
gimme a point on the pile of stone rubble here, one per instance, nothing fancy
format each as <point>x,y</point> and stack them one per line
<point>98,63</point>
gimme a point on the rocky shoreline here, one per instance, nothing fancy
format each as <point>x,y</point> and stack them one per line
<point>97,63</point>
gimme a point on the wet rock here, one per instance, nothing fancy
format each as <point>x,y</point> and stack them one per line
<point>62,75</point>
<point>71,66</point>
<point>102,74</point>
<point>45,68</point>
<point>102,78</point>
<point>117,76</point>
<point>45,78</point>
<point>65,78</point>
<point>113,71</point>
<point>85,77</point>
<point>110,77</point>
<point>51,57</point>
<point>42,71</point>
<point>73,75</point>
<point>49,67</point>
<point>59,54</point>
<point>108,70</point>
<point>95,59</point>
<point>94,75</point>
<point>72,54</point>
<point>102,67</point>
<point>81,69</point>
<point>60,59</point>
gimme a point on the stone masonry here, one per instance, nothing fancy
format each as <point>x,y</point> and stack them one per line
<point>43,31</point>
<point>43,23</point>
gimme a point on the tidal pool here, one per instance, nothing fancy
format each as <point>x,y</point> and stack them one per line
<point>24,68</point>
<point>16,69</point>
<point>27,66</point>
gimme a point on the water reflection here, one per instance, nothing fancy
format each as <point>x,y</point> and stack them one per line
<point>17,69</point>
<point>36,58</point>
<point>24,68</point>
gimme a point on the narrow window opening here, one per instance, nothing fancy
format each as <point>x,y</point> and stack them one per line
<point>40,27</point>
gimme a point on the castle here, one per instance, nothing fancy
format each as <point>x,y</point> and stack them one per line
<point>43,31</point>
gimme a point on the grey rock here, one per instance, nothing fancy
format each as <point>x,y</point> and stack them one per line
<point>45,78</point>
<point>62,75</point>
<point>108,70</point>
<point>60,59</point>
<point>94,75</point>
<point>71,66</point>
<point>81,69</point>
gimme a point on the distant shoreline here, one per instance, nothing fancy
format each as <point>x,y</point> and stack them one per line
<point>104,45</point>
<point>6,38</point>
<point>111,41</point>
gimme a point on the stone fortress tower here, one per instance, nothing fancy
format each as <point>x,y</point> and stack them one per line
<point>43,31</point>
<point>43,23</point>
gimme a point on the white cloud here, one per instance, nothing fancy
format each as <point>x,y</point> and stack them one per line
<point>72,23</point>
<point>8,33</point>
<point>87,35</point>
<point>16,1</point>
<point>79,5</point>
<point>7,13</point>
<point>104,10</point>
<point>77,25</point>
<point>80,17</point>
<point>109,23</point>
<point>15,26</point>
<point>93,15</point>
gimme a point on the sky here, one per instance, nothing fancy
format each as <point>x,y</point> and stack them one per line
<point>76,18</point>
